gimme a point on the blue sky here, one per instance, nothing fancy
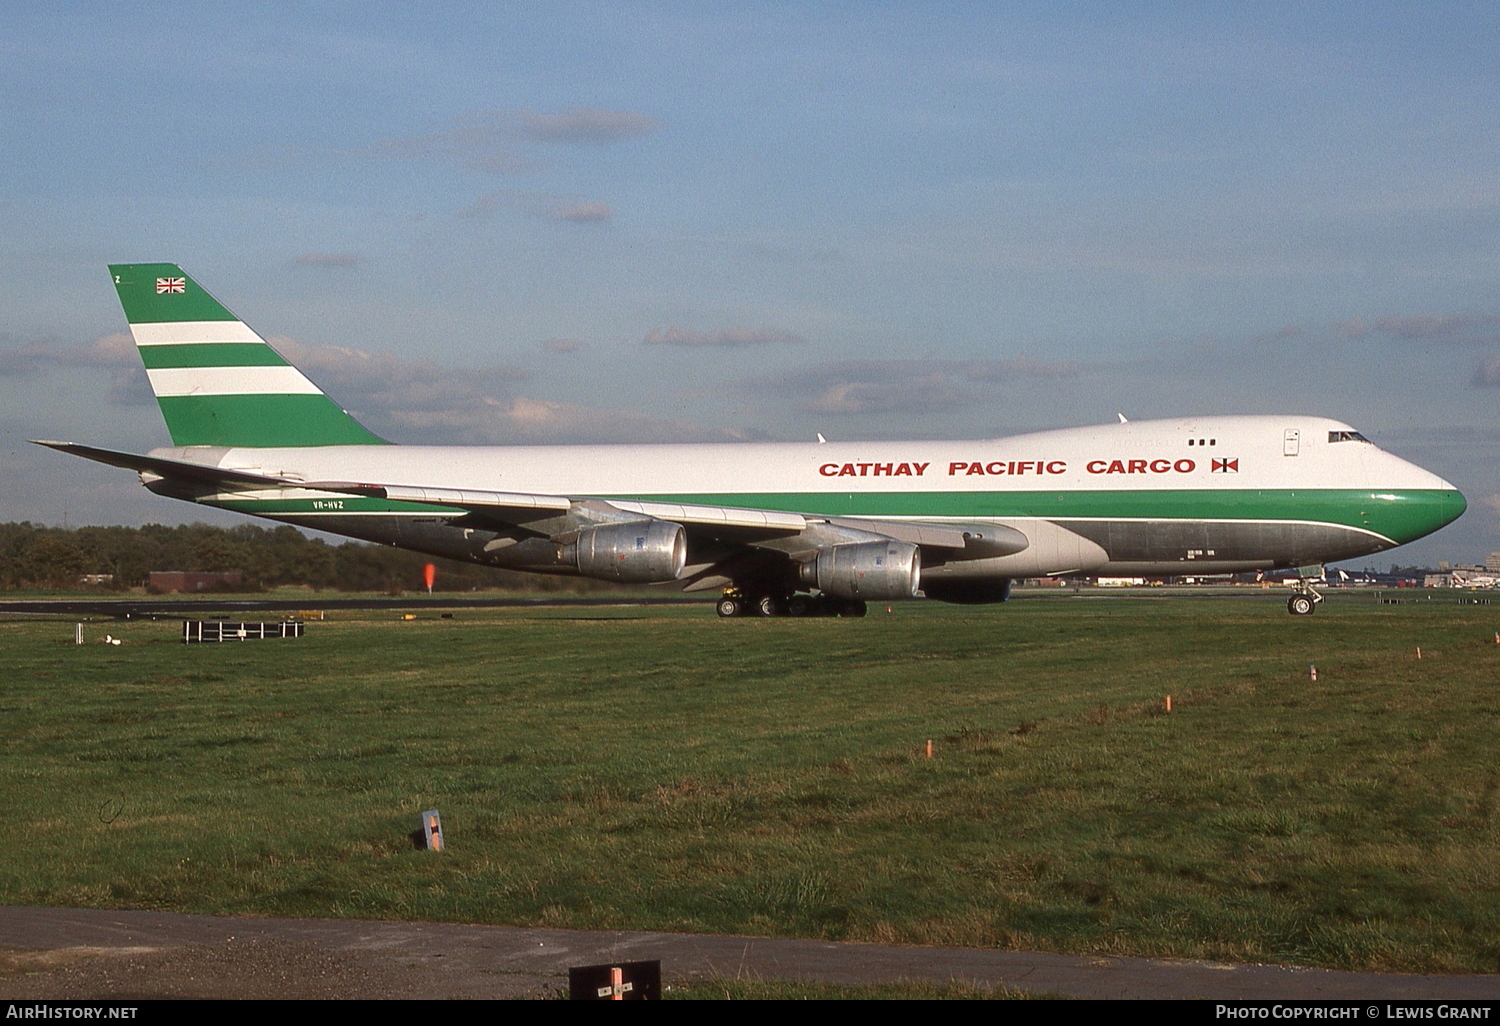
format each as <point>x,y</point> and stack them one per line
<point>565,222</point>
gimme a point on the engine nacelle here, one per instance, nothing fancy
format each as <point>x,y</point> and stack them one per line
<point>867,570</point>
<point>638,552</point>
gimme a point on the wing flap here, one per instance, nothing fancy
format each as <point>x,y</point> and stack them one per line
<point>714,516</point>
<point>470,499</point>
<point>973,541</point>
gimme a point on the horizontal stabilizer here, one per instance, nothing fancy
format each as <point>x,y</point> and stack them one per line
<point>179,470</point>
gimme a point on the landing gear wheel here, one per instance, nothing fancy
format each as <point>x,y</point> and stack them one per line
<point>730,607</point>
<point>853,607</point>
<point>770,605</point>
<point>800,605</point>
<point>1300,605</point>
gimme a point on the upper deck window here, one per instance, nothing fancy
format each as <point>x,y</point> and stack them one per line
<point>1346,436</point>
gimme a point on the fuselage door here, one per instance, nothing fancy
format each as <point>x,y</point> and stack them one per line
<point>1290,440</point>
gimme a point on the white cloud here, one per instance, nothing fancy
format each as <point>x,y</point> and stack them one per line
<point>1460,329</point>
<point>420,401</point>
<point>586,125</point>
<point>1487,374</point>
<point>115,353</point>
<point>487,140</point>
<point>524,419</point>
<point>582,213</point>
<point>933,392</point>
<point>901,386</point>
<point>379,382</point>
<point>727,338</point>
<point>26,359</point>
<point>539,204</point>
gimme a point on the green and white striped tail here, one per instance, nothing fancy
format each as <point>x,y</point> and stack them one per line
<point>218,382</point>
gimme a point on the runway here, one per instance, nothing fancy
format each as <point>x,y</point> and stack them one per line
<point>88,953</point>
<point>171,608</point>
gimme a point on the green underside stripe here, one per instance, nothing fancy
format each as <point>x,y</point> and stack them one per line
<point>335,506</point>
<point>1400,516</point>
<point>136,284</point>
<point>261,421</point>
<point>211,354</point>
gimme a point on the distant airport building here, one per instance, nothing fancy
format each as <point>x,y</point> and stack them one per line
<point>194,580</point>
<point>1492,562</point>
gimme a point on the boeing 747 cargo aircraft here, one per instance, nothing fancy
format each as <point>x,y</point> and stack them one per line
<point>778,528</point>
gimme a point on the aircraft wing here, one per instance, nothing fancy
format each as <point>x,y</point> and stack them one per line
<point>963,541</point>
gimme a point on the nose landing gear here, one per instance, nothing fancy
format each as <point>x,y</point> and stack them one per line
<point>1307,598</point>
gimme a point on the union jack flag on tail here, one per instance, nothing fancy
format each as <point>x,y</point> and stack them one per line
<point>171,285</point>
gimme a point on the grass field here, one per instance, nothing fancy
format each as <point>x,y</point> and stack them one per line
<point>662,769</point>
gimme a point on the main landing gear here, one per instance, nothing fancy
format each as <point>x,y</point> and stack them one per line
<point>1307,598</point>
<point>735,603</point>
<point>1302,605</point>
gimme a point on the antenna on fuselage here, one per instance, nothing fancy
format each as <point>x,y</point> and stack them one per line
<point>1122,418</point>
<point>821,439</point>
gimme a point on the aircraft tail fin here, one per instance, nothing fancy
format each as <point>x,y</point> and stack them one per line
<point>218,382</point>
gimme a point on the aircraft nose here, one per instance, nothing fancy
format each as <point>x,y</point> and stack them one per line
<point>1419,512</point>
<point>1448,504</point>
<point>1455,505</point>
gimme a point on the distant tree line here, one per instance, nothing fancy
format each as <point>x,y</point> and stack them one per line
<point>33,557</point>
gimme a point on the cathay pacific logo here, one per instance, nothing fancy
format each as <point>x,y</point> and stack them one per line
<point>1225,466</point>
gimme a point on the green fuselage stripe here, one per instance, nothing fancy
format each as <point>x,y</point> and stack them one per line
<point>1400,516</point>
<point>261,421</point>
<point>340,504</point>
<point>211,354</point>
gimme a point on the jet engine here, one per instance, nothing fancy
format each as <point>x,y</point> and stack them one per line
<point>866,570</point>
<point>638,552</point>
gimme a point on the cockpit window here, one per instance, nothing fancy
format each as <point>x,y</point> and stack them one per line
<point>1346,436</point>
